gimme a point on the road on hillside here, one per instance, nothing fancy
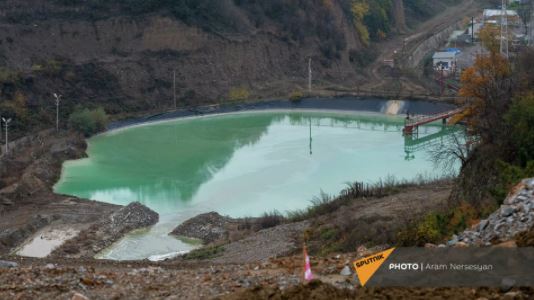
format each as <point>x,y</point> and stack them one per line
<point>415,38</point>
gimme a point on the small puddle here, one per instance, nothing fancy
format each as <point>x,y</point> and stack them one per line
<point>46,240</point>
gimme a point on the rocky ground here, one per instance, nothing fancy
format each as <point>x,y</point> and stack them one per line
<point>515,215</point>
<point>268,243</point>
<point>107,230</point>
<point>375,220</point>
<point>274,279</point>
<point>208,227</point>
<point>27,177</point>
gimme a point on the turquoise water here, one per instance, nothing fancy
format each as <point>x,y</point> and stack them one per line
<point>240,164</point>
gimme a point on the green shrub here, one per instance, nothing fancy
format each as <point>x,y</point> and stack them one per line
<point>270,219</point>
<point>296,96</point>
<point>363,57</point>
<point>432,229</point>
<point>205,252</point>
<point>508,176</point>
<point>238,94</point>
<point>7,75</point>
<point>88,121</point>
<point>437,227</point>
<point>520,119</point>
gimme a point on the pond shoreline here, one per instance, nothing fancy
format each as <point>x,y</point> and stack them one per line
<point>372,107</point>
<point>354,104</point>
<point>344,103</point>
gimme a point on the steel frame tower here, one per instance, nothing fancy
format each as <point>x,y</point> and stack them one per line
<point>531,24</point>
<point>504,29</point>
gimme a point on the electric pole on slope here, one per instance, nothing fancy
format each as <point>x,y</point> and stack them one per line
<point>174,86</point>
<point>6,124</point>
<point>58,98</point>
<point>311,152</point>
<point>504,29</point>
<point>531,24</point>
<point>309,75</point>
<point>473,30</point>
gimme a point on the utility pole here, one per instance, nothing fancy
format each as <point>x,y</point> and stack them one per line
<point>6,123</point>
<point>531,24</point>
<point>309,75</point>
<point>58,98</point>
<point>504,29</point>
<point>174,86</point>
<point>311,137</point>
<point>472,30</point>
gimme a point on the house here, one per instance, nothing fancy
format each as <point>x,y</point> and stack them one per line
<point>445,60</point>
<point>494,16</point>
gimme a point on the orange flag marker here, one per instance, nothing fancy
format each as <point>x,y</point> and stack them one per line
<point>367,266</point>
<point>308,276</point>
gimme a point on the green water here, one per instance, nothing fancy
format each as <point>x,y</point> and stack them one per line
<point>239,164</point>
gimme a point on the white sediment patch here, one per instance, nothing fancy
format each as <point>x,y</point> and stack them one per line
<point>393,107</point>
<point>167,255</point>
<point>46,240</point>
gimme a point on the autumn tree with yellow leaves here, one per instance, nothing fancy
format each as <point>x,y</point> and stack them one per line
<point>359,9</point>
<point>499,94</point>
<point>487,88</point>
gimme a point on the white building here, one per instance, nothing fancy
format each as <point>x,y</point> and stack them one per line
<point>445,60</point>
<point>495,16</point>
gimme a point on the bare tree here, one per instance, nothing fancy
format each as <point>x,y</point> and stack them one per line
<point>455,148</point>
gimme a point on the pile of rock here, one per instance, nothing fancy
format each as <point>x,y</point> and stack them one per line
<point>515,215</point>
<point>134,215</point>
<point>108,230</point>
<point>208,227</point>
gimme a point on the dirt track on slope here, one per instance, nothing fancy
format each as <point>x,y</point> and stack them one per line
<point>379,80</point>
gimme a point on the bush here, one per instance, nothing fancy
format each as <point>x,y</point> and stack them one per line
<point>88,121</point>
<point>431,229</point>
<point>7,75</point>
<point>364,57</point>
<point>270,219</point>
<point>325,204</point>
<point>437,227</point>
<point>296,96</point>
<point>238,94</point>
<point>508,176</point>
<point>520,118</point>
<point>205,253</point>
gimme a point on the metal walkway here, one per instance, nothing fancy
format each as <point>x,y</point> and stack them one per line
<point>412,123</point>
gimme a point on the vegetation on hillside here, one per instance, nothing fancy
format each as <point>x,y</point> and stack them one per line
<point>88,121</point>
<point>499,95</point>
<point>372,20</point>
<point>27,97</point>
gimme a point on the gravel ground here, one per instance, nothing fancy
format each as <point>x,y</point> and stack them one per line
<point>268,243</point>
<point>275,279</point>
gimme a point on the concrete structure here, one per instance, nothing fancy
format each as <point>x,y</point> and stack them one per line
<point>494,16</point>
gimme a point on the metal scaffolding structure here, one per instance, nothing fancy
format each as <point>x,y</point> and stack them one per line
<point>504,29</point>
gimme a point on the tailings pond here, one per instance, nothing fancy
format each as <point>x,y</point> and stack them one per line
<point>240,164</point>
